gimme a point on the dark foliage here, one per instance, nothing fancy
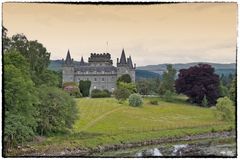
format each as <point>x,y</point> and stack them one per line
<point>124,78</point>
<point>97,93</point>
<point>84,87</point>
<point>198,81</point>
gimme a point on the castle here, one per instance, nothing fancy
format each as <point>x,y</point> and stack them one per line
<point>99,70</point>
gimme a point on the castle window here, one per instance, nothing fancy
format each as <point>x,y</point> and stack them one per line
<point>102,79</point>
<point>95,79</point>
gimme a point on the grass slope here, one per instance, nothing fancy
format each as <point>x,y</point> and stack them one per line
<point>104,121</point>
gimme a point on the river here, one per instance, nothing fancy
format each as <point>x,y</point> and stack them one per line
<point>222,147</point>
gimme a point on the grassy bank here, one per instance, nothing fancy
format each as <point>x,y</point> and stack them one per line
<point>104,122</point>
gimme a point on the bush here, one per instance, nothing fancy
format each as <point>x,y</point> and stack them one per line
<point>135,100</point>
<point>131,87</point>
<point>204,102</point>
<point>225,109</point>
<point>121,94</point>
<point>84,87</point>
<point>168,96</point>
<point>107,92</point>
<point>96,93</point>
<point>154,102</point>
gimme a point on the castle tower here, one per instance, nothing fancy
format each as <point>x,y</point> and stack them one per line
<point>125,66</point>
<point>82,63</point>
<point>68,69</point>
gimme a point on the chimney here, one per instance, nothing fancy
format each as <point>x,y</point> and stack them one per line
<point>117,60</point>
<point>134,65</point>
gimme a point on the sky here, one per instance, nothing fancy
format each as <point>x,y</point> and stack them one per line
<point>151,34</point>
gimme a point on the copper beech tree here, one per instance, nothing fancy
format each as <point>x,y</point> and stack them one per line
<point>197,82</point>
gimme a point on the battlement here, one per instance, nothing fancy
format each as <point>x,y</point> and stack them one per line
<point>100,57</point>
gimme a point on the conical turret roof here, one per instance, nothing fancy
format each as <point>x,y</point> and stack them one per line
<point>130,62</point>
<point>123,58</point>
<point>68,58</point>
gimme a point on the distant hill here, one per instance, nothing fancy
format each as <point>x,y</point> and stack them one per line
<point>155,71</point>
<point>219,68</point>
<point>143,74</point>
<point>55,65</point>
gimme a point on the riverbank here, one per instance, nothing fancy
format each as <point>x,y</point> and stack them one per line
<point>101,149</point>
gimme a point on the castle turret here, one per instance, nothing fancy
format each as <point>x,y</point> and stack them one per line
<point>68,69</point>
<point>125,66</point>
<point>129,61</point>
<point>69,60</point>
<point>123,58</point>
<point>82,63</point>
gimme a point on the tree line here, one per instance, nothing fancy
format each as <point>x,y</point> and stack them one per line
<point>199,83</point>
<point>34,103</point>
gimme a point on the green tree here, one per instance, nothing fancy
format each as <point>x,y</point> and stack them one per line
<point>148,86</point>
<point>20,100</point>
<point>168,81</point>
<point>233,90</point>
<point>34,52</point>
<point>223,90</point>
<point>168,96</point>
<point>225,109</point>
<point>142,87</point>
<point>131,87</point>
<point>57,110</point>
<point>84,87</point>
<point>5,39</point>
<point>121,94</point>
<point>204,101</point>
<point>47,77</point>
<point>124,78</point>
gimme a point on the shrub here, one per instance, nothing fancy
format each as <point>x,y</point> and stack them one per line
<point>107,92</point>
<point>121,94</point>
<point>96,93</point>
<point>135,100</point>
<point>225,109</point>
<point>168,96</point>
<point>131,87</point>
<point>205,101</point>
<point>84,87</point>
<point>154,102</point>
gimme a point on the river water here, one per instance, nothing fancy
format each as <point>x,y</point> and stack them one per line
<point>213,148</point>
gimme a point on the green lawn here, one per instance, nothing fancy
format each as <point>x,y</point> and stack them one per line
<point>104,121</point>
